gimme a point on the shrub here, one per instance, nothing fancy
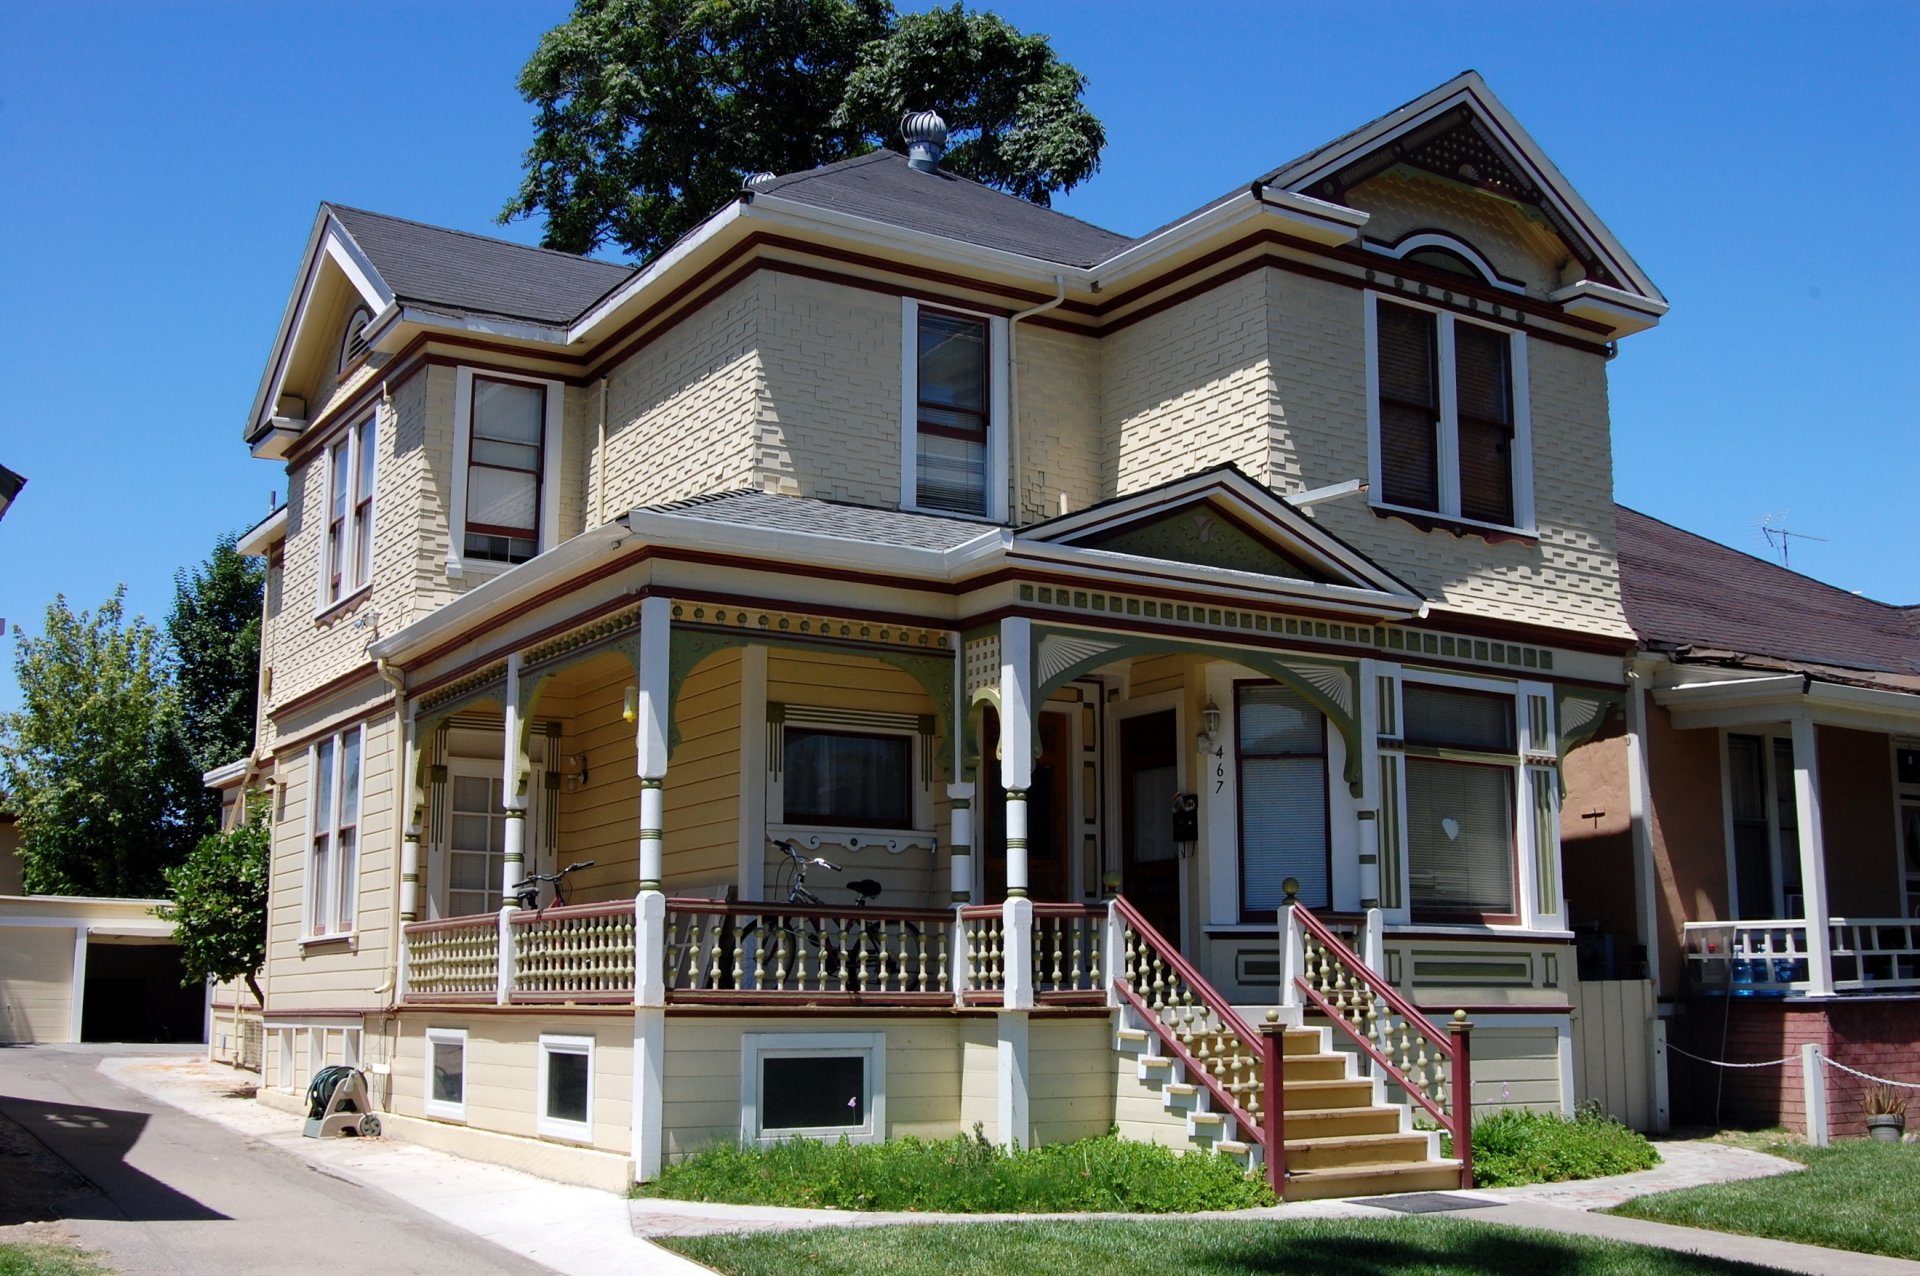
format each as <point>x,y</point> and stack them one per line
<point>1514,1147</point>
<point>963,1175</point>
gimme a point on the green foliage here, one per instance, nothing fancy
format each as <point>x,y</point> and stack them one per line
<point>963,1175</point>
<point>215,633</point>
<point>1515,1146</point>
<point>93,761</point>
<point>35,1259</point>
<point>1099,1247</point>
<point>1856,1195</point>
<point>648,112</point>
<point>219,907</point>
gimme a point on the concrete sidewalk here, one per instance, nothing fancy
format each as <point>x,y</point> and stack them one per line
<point>580,1230</point>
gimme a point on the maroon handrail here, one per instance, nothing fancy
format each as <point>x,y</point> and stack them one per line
<point>1209,998</point>
<point>1451,1046</point>
<point>560,912</point>
<point>720,908</point>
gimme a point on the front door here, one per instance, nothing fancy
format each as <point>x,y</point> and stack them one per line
<point>1049,812</point>
<point>1149,859</point>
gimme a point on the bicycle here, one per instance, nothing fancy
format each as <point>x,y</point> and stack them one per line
<point>860,962</point>
<point>527,892</point>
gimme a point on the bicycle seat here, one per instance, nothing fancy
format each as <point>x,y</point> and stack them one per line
<point>866,888</point>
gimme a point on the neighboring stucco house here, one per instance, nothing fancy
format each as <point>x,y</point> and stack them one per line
<point>1000,560</point>
<point>1758,829</point>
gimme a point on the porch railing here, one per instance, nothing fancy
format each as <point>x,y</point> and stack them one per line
<point>1431,1065</point>
<point>983,955</point>
<point>718,951</point>
<point>1067,940</point>
<point>453,960</point>
<point>1768,957</point>
<point>576,952</point>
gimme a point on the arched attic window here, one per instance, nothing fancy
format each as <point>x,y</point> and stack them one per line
<point>1444,259</point>
<point>353,340</point>
<point>1436,250</point>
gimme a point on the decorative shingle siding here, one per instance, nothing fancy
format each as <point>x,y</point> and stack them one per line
<point>1522,252</point>
<point>1189,388</point>
<point>829,422</point>
<point>680,412</point>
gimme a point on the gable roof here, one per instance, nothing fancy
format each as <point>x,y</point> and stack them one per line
<point>475,274</point>
<point>1687,592</point>
<point>882,187</point>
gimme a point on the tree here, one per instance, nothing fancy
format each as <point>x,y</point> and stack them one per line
<point>92,761</point>
<point>650,111</point>
<point>219,907</point>
<point>215,633</point>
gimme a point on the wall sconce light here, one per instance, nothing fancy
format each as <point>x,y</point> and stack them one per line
<point>573,772</point>
<point>631,709</point>
<point>1208,741</point>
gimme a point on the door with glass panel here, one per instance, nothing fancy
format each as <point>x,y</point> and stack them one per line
<point>476,841</point>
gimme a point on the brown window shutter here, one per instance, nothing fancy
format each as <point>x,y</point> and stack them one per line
<point>1483,381</point>
<point>1409,407</point>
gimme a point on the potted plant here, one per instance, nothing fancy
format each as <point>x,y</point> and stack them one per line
<point>1886,1114</point>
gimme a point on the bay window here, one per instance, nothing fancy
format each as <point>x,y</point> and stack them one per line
<point>1462,760</point>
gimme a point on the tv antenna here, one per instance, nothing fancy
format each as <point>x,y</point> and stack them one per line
<point>1778,536</point>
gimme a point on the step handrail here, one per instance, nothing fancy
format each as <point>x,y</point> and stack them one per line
<point>1449,1044</point>
<point>1255,1128</point>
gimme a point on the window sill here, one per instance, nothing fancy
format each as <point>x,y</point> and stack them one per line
<point>1429,521</point>
<point>334,612</point>
<point>347,942</point>
<point>486,568</point>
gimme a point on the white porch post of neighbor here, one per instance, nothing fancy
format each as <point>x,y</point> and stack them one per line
<point>513,794</point>
<point>1813,857</point>
<point>1016,742</point>
<point>650,741</point>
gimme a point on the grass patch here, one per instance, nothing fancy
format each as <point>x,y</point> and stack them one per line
<point>36,1259</point>
<point>1857,1195</point>
<point>963,1175</point>
<point>1514,1147</point>
<point>1406,1247</point>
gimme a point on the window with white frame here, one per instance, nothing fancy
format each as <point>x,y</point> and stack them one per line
<point>813,1085</point>
<point>333,856</point>
<point>505,458</point>
<point>953,412</point>
<point>855,779</point>
<point>476,837</point>
<point>1281,740</point>
<point>347,555</point>
<point>446,1079</point>
<point>1448,415</point>
<point>1764,816</point>
<point>1462,769</point>
<point>566,1087</point>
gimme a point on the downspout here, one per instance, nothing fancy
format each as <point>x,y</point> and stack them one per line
<point>600,462</point>
<point>389,987</point>
<point>1013,387</point>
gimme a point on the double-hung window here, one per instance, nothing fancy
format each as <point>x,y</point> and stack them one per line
<point>853,779</point>
<point>954,460</point>
<point>350,465</point>
<point>1462,760</point>
<point>505,457</point>
<point>333,857</point>
<point>1449,416</point>
<point>1282,744</point>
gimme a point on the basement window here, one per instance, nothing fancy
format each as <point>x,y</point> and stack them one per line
<point>820,1085</point>
<point>447,1073</point>
<point>566,1087</point>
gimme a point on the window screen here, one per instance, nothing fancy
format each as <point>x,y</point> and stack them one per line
<point>812,1092</point>
<point>1282,741</point>
<point>1443,716</point>
<point>847,778</point>
<point>1484,387</point>
<point>951,380</point>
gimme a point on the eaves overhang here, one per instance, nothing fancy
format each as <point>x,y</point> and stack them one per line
<point>264,535</point>
<point>1783,697</point>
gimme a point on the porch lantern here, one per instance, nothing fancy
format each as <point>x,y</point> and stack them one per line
<point>1208,741</point>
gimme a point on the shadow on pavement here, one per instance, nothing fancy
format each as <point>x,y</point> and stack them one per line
<point>38,1180</point>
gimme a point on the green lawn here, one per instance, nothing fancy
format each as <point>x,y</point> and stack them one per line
<point>1400,1247</point>
<point>1854,1195</point>
<point>46,1260</point>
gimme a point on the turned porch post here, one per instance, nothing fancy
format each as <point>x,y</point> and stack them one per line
<point>513,792</point>
<point>652,709</point>
<point>650,733</point>
<point>1016,742</point>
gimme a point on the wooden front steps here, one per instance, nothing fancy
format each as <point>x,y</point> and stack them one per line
<point>1340,1140</point>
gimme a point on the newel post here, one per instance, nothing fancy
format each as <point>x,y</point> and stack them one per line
<point>1293,957</point>
<point>1461,1030</point>
<point>1274,1114</point>
<point>503,971</point>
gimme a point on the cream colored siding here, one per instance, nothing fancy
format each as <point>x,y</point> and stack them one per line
<point>829,426</point>
<point>980,1076</point>
<point>600,821</point>
<point>503,1071</point>
<point>36,983</point>
<point>1139,1111</point>
<point>1062,445</point>
<point>1520,250</point>
<point>681,410</point>
<point>1070,1079</point>
<point>1153,675</point>
<point>702,809</point>
<point>702,1085</point>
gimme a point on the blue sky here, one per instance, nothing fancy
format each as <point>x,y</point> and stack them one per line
<point>163,164</point>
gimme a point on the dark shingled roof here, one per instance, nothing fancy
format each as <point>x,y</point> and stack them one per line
<point>809,515</point>
<point>475,274</point>
<point>882,187</point>
<point>1685,590</point>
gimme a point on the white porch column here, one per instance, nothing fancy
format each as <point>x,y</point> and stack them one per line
<point>1013,1108</point>
<point>1813,856</point>
<point>650,742</point>
<point>960,811</point>
<point>649,1031</point>
<point>1016,742</point>
<point>410,811</point>
<point>513,797</point>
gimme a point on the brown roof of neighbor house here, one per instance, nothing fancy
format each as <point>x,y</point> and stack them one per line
<point>1685,591</point>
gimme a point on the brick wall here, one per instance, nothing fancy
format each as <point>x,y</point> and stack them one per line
<point>827,420</point>
<point>1062,445</point>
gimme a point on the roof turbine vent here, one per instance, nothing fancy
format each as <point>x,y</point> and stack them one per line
<point>926,137</point>
<point>754,180</point>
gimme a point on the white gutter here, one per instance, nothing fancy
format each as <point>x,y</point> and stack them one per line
<point>427,316</point>
<point>774,210</point>
<point>702,235</point>
<point>258,539</point>
<point>1100,563</point>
